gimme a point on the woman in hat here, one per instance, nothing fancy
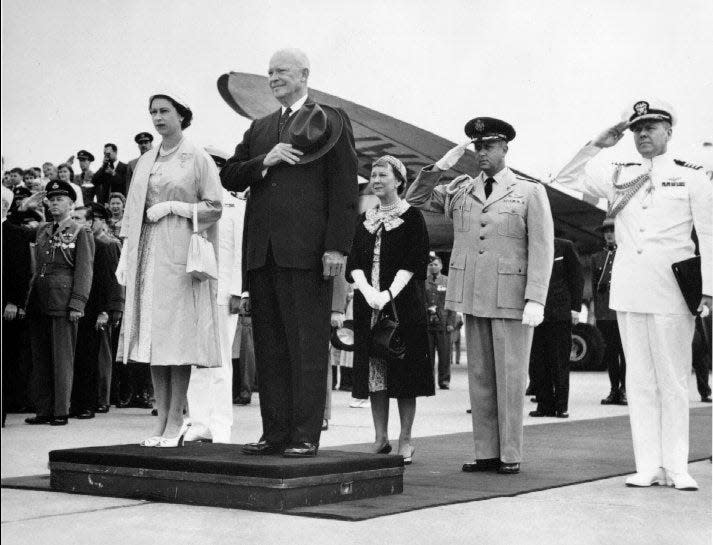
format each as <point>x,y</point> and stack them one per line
<point>117,202</point>
<point>170,318</point>
<point>389,259</point>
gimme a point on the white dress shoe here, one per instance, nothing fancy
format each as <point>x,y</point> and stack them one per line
<point>681,481</point>
<point>646,478</point>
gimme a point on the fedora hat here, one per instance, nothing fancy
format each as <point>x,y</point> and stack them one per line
<point>314,130</point>
<point>343,337</point>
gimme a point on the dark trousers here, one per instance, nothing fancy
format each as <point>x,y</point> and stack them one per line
<point>549,359</point>
<point>53,340</point>
<point>84,386</point>
<point>613,354</point>
<point>702,356</point>
<point>290,315</point>
<point>244,366</point>
<point>16,366</point>
<point>440,341</point>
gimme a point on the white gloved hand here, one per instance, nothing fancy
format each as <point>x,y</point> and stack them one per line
<point>533,313</point>
<point>382,299</point>
<point>121,267</point>
<point>158,211</point>
<point>366,289</point>
<point>452,156</point>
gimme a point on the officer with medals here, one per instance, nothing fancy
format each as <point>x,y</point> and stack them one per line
<point>655,202</point>
<point>498,278</point>
<point>58,293</point>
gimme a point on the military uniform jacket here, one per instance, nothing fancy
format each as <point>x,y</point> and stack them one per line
<point>566,283</point>
<point>503,246</point>
<point>106,294</point>
<point>64,269</point>
<point>436,297</point>
<point>601,267</point>
<point>653,231</point>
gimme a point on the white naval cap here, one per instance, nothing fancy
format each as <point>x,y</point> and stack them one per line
<point>652,108</point>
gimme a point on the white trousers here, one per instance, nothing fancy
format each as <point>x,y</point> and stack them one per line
<point>210,391</point>
<point>658,361</point>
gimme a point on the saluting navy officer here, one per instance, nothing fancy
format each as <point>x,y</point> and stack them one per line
<point>498,278</point>
<point>58,293</point>
<point>655,201</point>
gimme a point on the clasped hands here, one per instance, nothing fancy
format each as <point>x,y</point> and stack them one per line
<point>375,299</point>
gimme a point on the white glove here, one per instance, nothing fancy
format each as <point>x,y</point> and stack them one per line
<point>183,209</point>
<point>366,289</point>
<point>382,299</point>
<point>158,211</point>
<point>400,280</point>
<point>121,267</point>
<point>533,313</point>
<point>452,156</point>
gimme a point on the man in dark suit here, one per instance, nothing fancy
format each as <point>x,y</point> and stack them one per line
<point>93,358</point>
<point>16,272</point>
<point>301,167</point>
<point>552,341</point>
<point>112,176</point>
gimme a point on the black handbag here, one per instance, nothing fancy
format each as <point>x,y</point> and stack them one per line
<point>688,276</point>
<point>386,342</point>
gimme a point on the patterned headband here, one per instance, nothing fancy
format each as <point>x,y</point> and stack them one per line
<point>394,162</point>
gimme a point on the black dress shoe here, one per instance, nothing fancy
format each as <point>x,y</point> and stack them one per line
<point>34,420</point>
<point>261,448</point>
<point>612,399</point>
<point>538,413</point>
<point>103,409</point>
<point>301,450</point>
<point>59,421</point>
<point>444,386</point>
<point>706,399</point>
<point>241,401</point>
<point>561,414</point>
<point>154,412</point>
<point>139,402</point>
<point>509,468</point>
<point>85,414</point>
<point>484,464</point>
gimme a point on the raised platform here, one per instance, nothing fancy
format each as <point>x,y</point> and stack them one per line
<point>220,475</point>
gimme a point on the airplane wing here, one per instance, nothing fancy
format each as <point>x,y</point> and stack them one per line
<point>378,134</point>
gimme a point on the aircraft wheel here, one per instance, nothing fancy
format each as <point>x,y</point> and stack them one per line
<point>587,352</point>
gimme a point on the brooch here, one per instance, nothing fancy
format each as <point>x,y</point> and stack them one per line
<point>184,158</point>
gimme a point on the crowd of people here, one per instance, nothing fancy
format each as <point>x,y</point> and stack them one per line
<point>124,270</point>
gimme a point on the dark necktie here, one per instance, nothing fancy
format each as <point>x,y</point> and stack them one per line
<point>488,187</point>
<point>55,226</point>
<point>283,121</point>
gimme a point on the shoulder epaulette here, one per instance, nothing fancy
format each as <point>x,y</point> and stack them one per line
<point>627,164</point>
<point>525,179</point>
<point>682,163</point>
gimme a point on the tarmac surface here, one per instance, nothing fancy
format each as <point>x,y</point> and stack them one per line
<point>599,512</point>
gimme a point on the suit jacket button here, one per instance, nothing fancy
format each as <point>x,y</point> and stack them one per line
<point>639,251</point>
<point>482,225</point>
<point>481,251</point>
<point>482,237</point>
<point>274,184</point>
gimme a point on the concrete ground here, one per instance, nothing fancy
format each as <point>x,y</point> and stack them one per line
<point>604,511</point>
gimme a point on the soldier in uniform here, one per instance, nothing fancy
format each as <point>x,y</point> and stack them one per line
<point>102,313</point>
<point>655,201</point>
<point>84,179</point>
<point>499,274</point>
<point>601,267</point>
<point>144,140</point>
<point>438,320</point>
<point>58,294</point>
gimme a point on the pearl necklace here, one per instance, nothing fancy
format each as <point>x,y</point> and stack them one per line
<point>164,153</point>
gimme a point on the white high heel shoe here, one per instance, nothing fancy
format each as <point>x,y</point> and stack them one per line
<point>172,442</point>
<point>151,441</point>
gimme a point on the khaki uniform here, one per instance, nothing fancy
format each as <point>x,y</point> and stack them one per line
<point>502,256</point>
<point>62,282</point>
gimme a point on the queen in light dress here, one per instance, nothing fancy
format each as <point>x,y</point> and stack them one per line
<point>170,319</point>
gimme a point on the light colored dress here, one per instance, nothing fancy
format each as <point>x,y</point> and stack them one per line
<point>170,318</point>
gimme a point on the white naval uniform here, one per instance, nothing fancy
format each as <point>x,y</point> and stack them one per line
<point>210,391</point>
<point>653,231</point>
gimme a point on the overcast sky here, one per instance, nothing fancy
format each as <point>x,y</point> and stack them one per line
<point>78,73</point>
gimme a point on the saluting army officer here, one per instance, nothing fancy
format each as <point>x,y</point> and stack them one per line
<point>58,293</point>
<point>498,278</point>
<point>655,203</point>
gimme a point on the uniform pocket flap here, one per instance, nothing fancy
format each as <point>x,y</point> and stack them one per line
<point>458,261</point>
<point>58,281</point>
<point>512,266</point>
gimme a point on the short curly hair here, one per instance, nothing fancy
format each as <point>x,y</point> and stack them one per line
<point>182,110</point>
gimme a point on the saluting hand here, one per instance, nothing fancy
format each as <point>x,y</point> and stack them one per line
<point>452,156</point>
<point>610,136</point>
<point>282,152</point>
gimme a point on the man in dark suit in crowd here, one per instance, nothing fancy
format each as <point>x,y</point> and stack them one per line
<point>16,272</point>
<point>301,167</point>
<point>58,293</point>
<point>552,340</point>
<point>601,267</point>
<point>439,320</point>
<point>111,177</point>
<point>93,361</point>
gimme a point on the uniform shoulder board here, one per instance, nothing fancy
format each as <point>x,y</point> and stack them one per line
<point>626,164</point>
<point>522,178</point>
<point>682,163</point>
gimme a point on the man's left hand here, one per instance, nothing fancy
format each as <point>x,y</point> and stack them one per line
<point>533,313</point>
<point>575,317</point>
<point>75,315</point>
<point>102,320</point>
<point>704,309</point>
<point>333,263</point>
<point>337,319</point>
